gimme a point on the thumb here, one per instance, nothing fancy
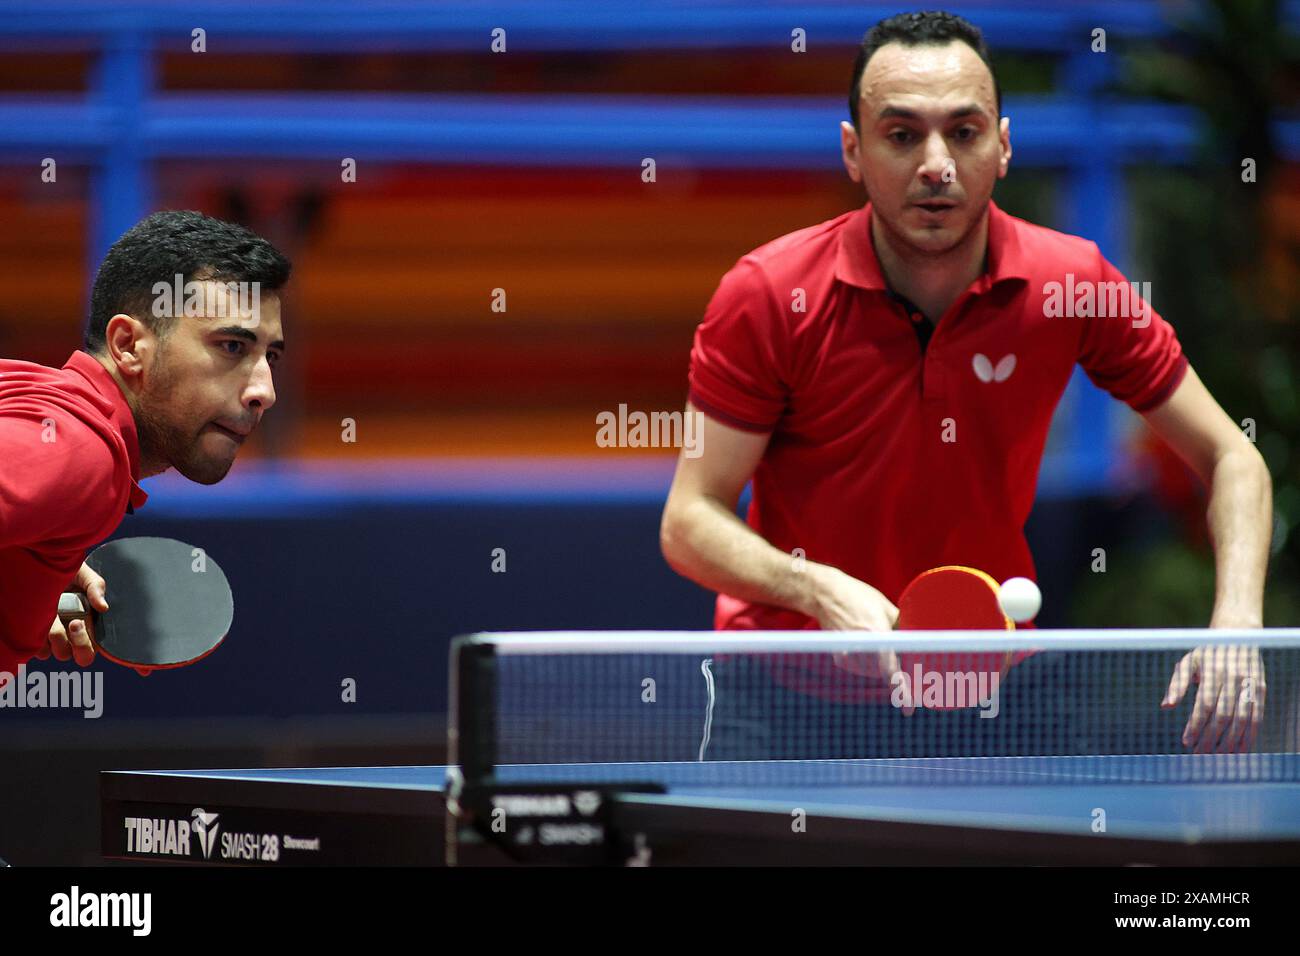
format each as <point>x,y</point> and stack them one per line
<point>93,586</point>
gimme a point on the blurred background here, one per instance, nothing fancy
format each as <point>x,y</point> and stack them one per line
<point>522,170</point>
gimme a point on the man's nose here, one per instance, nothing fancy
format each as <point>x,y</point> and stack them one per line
<point>261,387</point>
<point>937,161</point>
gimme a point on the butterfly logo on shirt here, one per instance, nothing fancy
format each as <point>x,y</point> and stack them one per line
<point>986,371</point>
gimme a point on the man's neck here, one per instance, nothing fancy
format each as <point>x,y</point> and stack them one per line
<point>109,367</point>
<point>148,465</point>
<point>932,282</point>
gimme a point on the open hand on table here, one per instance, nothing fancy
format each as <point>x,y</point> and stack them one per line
<point>1230,697</point>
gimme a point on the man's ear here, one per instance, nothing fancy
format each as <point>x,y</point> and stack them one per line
<point>849,151</point>
<point>1004,137</point>
<point>125,343</point>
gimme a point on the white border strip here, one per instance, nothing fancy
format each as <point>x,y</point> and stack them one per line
<point>792,642</point>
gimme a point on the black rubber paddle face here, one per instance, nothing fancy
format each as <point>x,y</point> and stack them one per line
<point>167,606</point>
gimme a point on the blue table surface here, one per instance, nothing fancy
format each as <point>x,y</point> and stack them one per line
<point>1171,797</point>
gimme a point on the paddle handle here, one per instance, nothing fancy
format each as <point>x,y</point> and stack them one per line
<point>72,607</point>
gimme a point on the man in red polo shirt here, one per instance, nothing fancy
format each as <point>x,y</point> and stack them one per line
<point>176,372</point>
<point>887,380</point>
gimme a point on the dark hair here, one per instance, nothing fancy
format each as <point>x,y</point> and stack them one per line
<point>170,243</point>
<point>928,28</point>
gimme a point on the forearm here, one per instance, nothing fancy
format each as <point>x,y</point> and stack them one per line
<point>1240,517</point>
<point>705,541</point>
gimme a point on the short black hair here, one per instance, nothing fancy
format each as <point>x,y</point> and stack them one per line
<point>927,28</point>
<point>170,243</point>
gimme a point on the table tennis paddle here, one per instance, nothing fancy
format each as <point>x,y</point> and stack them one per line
<point>951,598</point>
<point>169,604</point>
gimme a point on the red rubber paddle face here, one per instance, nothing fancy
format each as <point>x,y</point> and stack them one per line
<point>951,598</point>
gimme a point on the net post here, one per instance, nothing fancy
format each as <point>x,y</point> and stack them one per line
<point>472,731</point>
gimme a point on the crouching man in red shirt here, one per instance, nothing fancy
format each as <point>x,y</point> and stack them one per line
<point>176,371</point>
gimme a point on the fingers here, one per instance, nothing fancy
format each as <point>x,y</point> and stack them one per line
<point>1225,703</point>
<point>882,666</point>
<point>78,636</point>
<point>857,662</point>
<point>878,664</point>
<point>94,587</point>
<point>75,642</point>
<point>1204,726</point>
<point>56,643</point>
<point>1229,707</point>
<point>1247,676</point>
<point>1258,692</point>
<point>72,643</point>
<point>1254,692</point>
<point>1234,741</point>
<point>1202,711</point>
<point>1184,673</point>
<point>891,613</point>
<point>901,697</point>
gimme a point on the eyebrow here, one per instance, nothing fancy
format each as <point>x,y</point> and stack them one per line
<point>897,112</point>
<point>238,331</point>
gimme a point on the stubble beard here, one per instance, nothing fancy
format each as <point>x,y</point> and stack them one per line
<point>163,443</point>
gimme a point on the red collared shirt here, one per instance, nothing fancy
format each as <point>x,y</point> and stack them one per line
<point>69,466</point>
<point>887,458</point>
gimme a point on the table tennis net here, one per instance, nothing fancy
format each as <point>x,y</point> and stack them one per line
<point>746,705</point>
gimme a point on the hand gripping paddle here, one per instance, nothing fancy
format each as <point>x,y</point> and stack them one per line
<point>169,604</point>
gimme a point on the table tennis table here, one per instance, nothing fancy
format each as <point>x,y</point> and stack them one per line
<point>1172,809</point>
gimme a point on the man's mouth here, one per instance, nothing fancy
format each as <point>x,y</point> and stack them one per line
<point>236,434</point>
<point>936,205</point>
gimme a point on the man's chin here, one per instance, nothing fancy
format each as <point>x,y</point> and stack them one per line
<point>936,240</point>
<point>205,471</point>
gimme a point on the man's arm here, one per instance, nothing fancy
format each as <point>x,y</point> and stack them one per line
<point>703,539</point>
<point>1240,512</point>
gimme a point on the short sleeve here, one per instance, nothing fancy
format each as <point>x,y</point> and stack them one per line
<point>736,373</point>
<point>1126,347</point>
<point>49,487</point>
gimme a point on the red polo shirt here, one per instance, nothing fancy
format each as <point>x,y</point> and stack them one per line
<point>887,458</point>
<point>71,461</point>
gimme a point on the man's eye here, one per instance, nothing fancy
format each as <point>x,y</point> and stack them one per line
<point>900,136</point>
<point>967,132</point>
<point>238,347</point>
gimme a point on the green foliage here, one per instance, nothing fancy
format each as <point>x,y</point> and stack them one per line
<point>1168,585</point>
<point>1202,239</point>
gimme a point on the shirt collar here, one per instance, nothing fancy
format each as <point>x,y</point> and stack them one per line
<point>856,262</point>
<point>88,367</point>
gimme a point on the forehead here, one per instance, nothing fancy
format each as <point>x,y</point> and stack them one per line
<point>225,305</point>
<point>944,73</point>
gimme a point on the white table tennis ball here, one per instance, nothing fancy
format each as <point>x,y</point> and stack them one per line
<point>1020,599</point>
